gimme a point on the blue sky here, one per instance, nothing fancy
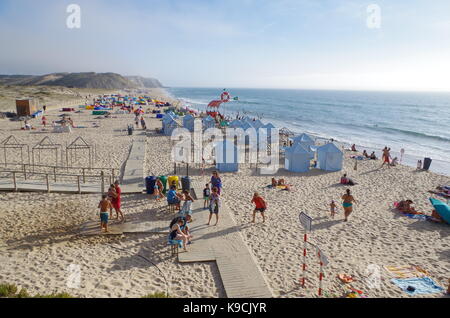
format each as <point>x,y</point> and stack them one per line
<point>235,43</point>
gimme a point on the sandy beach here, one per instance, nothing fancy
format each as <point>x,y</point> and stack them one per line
<point>39,238</point>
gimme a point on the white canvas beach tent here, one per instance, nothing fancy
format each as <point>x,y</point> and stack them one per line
<point>304,140</point>
<point>235,124</point>
<point>166,119</point>
<point>298,159</point>
<point>170,126</point>
<point>208,122</point>
<point>188,122</point>
<point>258,124</point>
<point>226,154</point>
<point>330,157</point>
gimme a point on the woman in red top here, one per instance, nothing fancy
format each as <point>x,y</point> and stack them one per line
<point>116,201</point>
<point>260,206</point>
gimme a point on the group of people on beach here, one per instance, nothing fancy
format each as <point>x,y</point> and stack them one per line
<point>110,201</point>
<point>386,156</point>
<point>139,119</point>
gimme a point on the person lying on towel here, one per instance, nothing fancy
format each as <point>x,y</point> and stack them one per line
<point>405,207</point>
<point>347,181</point>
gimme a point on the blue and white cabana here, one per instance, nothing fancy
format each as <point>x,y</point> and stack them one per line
<point>298,159</point>
<point>235,124</point>
<point>166,119</point>
<point>305,140</point>
<point>330,157</point>
<point>208,122</point>
<point>188,122</point>
<point>257,124</point>
<point>170,126</point>
<point>226,156</point>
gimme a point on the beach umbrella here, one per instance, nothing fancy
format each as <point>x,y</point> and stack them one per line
<point>442,209</point>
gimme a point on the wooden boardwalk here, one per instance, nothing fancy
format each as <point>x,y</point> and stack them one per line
<point>133,176</point>
<point>132,180</point>
<point>40,186</point>
<point>224,244</point>
<point>92,228</point>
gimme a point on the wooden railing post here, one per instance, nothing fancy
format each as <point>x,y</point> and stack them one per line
<point>15,181</point>
<point>103,182</point>
<point>79,186</point>
<point>48,183</point>
<point>25,172</point>
<point>84,176</point>
<point>54,173</point>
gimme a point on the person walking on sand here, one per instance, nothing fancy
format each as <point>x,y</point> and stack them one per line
<point>104,206</point>
<point>116,201</point>
<point>206,195</point>
<point>111,195</point>
<point>333,208</point>
<point>216,182</point>
<point>143,124</point>
<point>214,205</point>
<point>260,206</point>
<point>348,201</point>
<point>386,157</point>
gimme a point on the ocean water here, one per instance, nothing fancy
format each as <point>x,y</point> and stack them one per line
<point>416,122</point>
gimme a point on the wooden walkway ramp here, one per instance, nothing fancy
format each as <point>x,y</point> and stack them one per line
<point>224,244</point>
<point>41,186</point>
<point>133,176</point>
<point>132,180</point>
<point>92,228</point>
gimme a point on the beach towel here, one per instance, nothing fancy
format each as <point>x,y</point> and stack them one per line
<point>406,271</point>
<point>421,286</point>
<point>418,216</point>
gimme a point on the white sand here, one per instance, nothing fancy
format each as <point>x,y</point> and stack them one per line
<point>38,240</point>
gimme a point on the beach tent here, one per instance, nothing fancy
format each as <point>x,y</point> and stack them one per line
<point>268,127</point>
<point>258,124</point>
<point>245,125</point>
<point>235,124</point>
<point>250,122</point>
<point>169,127</point>
<point>330,157</point>
<point>298,159</point>
<point>166,119</point>
<point>305,140</point>
<point>188,122</point>
<point>172,114</point>
<point>268,131</point>
<point>226,156</point>
<point>209,122</point>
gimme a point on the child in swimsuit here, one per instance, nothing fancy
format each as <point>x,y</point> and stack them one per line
<point>206,195</point>
<point>214,205</point>
<point>157,190</point>
<point>104,205</point>
<point>333,208</point>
